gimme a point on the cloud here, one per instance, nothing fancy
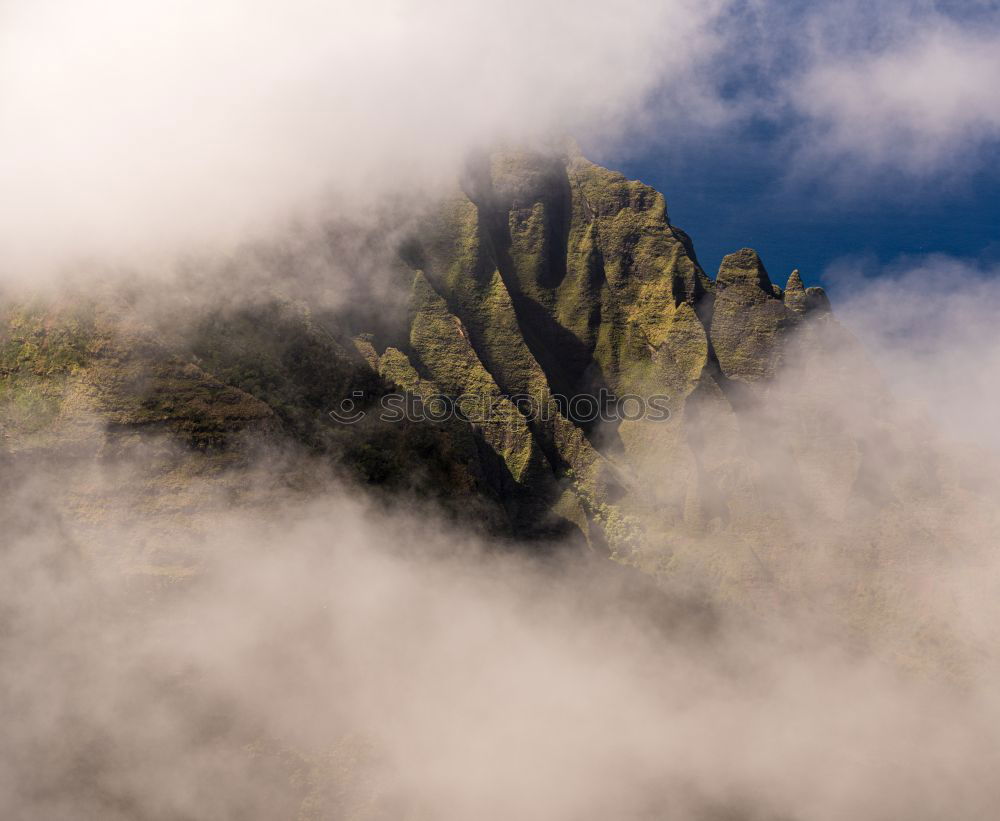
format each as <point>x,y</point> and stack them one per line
<point>929,322</point>
<point>172,652</point>
<point>333,659</point>
<point>384,662</point>
<point>132,131</point>
<point>922,104</point>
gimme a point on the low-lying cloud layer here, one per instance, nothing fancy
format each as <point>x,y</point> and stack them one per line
<point>333,662</point>
<point>930,323</point>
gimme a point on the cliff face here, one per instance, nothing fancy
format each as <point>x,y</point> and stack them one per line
<point>547,280</point>
<point>568,280</point>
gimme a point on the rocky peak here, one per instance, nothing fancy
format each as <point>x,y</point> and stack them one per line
<point>744,268</point>
<point>795,293</point>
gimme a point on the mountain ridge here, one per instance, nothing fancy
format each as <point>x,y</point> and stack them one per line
<point>545,277</point>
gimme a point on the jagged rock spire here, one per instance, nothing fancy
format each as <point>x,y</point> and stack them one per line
<point>744,268</point>
<point>748,317</point>
<point>795,293</point>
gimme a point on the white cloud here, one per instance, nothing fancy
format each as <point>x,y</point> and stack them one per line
<point>131,127</point>
<point>921,104</point>
<point>333,656</point>
<point>930,323</point>
<point>131,131</point>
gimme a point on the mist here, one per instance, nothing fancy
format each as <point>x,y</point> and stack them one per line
<point>250,647</point>
<point>326,657</point>
<point>136,135</point>
<point>262,638</point>
<point>134,132</point>
<point>930,320</point>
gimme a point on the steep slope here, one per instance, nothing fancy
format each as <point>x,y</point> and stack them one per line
<point>617,376</point>
<point>571,282</point>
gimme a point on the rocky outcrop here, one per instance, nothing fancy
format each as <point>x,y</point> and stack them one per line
<point>795,293</point>
<point>749,318</point>
<point>544,280</point>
